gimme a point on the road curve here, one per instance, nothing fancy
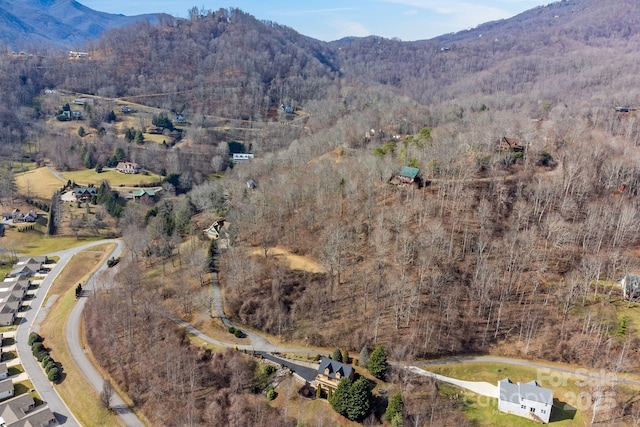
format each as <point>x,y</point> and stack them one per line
<point>30,364</point>
<point>78,353</point>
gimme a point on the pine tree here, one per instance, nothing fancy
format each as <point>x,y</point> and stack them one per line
<point>363,359</point>
<point>340,399</point>
<point>359,400</point>
<point>337,355</point>
<point>377,365</point>
<point>395,409</point>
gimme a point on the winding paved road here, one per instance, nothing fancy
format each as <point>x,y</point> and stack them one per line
<point>258,343</point>
<point>30,364</point>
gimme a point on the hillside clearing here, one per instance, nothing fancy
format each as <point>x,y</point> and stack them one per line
<point>38,183</point>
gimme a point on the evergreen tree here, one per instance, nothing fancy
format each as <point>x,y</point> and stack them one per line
<point>359,400</point>
<point>337,355</point>
<point>340,399</point>
<point>394,410</point>
<point>363,358</point>
<point>377,365</point>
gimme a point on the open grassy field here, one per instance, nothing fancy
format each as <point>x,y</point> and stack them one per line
<point>115,179</point>
<point>36,242</point>
<point>38,183</point>
<point>75,390</point>
<point>570,392</point>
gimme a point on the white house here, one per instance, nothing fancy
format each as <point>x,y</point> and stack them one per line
<point>239,157</point>
<point>528,400</point>
<point>630,284</point>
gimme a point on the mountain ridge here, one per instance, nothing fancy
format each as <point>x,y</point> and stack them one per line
<point>59,23</point>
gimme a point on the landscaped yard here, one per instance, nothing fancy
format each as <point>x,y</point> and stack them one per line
<point>36,242</point>
<point>568,391</point>
<point>115,179</point>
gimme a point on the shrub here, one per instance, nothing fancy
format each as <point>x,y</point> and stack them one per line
<point>112,261</point>
<point>269,369</point>
<point>49,365</point>
<point>54,375</point>
<point>33,338</point>
<point>37,347</point>
<point>232,330</point>
<point>271,393</point>
<point>239,334</point>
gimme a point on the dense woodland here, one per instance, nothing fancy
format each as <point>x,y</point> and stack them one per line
<point>495,251</point>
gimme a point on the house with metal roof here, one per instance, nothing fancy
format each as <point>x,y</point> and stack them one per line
<point>407,175</point>
<point>528,400</point>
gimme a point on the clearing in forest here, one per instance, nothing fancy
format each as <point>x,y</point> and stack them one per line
<point>296,262</point>
<point>38,183</point>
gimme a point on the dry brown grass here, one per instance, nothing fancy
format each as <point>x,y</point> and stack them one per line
<point>307,411</point>
<point>38,183</point>
<point>296,262</point>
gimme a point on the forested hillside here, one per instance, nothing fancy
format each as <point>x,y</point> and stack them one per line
<point>523,220</point>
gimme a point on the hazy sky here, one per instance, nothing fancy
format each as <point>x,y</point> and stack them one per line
<point>332,19</point>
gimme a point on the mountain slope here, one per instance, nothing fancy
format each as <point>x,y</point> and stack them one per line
<point>58,23</point>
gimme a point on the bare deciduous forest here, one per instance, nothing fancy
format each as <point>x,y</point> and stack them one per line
<point>496,251</point>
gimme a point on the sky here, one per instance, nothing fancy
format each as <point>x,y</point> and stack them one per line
<point>329,20</point>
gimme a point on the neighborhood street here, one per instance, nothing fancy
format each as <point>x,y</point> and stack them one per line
<point>30,364</point>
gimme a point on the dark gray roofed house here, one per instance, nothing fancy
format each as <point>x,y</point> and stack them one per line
<point>21,411</point>
<point>331,372</point>
<point>83,194</point>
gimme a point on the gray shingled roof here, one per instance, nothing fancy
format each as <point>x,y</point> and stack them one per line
<point>334,366</point>
<point>508,391</point>
<point>533,391</point>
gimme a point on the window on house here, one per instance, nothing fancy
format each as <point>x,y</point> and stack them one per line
<point>523,406</point>
<point>543,411</point>
<point>533,410</point>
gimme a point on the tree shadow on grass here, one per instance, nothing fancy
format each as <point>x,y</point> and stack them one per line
<point>562,411</point>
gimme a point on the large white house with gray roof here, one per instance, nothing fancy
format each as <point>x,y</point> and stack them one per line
<point>630,284</point>
<point>528,400</point>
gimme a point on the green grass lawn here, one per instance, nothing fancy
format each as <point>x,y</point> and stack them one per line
<point>483,411</point>
<point>36,242</point>
<point>115,179</point>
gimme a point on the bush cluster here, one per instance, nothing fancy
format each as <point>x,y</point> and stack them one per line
<point>112,261</point>
<point>41,353</point>
<point>237,332</point>
<point>42,206</point>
